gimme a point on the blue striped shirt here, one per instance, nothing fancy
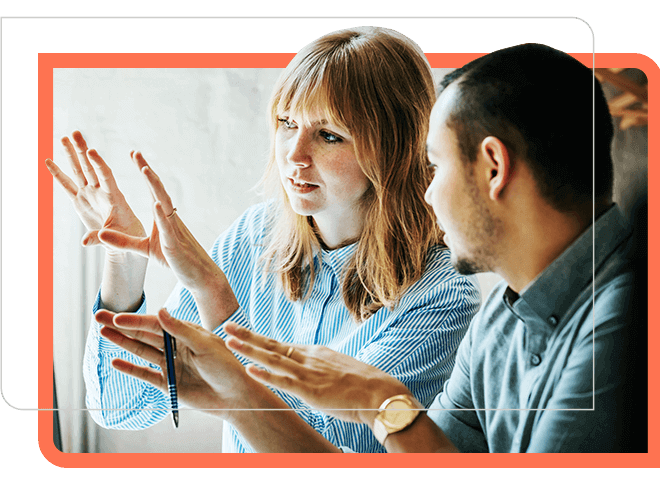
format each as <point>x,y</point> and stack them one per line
<point>415,342</point>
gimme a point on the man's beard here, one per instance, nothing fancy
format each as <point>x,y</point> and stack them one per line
<point>467,266</point>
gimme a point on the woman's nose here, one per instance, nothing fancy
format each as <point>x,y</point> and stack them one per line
<point>299,149</point>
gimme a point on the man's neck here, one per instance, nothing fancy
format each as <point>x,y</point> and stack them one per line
<point>541,238</point>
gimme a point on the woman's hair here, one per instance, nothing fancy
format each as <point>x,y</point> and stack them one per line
<point>377,84</point>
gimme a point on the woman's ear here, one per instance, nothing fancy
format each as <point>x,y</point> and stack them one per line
<point>496,161</point>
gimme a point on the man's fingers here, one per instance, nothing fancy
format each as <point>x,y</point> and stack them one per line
<point>272,360</point>
<point>257,340</point>
<point>278,381</point>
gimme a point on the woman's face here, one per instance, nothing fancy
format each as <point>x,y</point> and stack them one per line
<point>318,167</point>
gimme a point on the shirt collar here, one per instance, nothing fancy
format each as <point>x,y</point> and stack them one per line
<point>335,259</point>
<point>551,294</point>
<point>338,258</point>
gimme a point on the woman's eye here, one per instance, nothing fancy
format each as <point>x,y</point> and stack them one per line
<point>286,122</point>
<point>433,167</point>
<point>330,138</point>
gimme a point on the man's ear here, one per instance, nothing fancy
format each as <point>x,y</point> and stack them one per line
<point>497,164</point>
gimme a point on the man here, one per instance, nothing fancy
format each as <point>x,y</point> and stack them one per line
<point>511,144</point>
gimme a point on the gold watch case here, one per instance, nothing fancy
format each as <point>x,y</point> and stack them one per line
<point>392,416</point>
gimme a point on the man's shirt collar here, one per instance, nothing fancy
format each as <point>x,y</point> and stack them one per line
<point>548,298</point>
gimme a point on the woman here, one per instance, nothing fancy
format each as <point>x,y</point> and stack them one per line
<point>349,257</point>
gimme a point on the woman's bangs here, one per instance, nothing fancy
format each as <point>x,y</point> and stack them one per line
<point>310,92</point>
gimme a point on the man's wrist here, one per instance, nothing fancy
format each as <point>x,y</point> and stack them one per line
<point>253,396</point>
<point>377,397</point>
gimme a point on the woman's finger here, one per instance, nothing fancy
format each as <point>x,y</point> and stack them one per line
<point>140,162</point>
<point>91,238</point>
<point>146,322</point>
<point>105,178</point>
<point>70,187</point>
<point>149,375</point>
<point>78,175</point>
<point>166,224</point>
<point>81,150</point>
<point>158,190</point>
<point>142,327</point>
<point>192,335</point>
<point>121,241</point>
<point>140,349</point>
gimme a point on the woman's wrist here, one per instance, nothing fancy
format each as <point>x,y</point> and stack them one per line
<point>214,297</point>
<point>123,282</point>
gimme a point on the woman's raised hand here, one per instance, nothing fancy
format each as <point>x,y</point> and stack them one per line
<point>94,193</point>
<point>172,244</point>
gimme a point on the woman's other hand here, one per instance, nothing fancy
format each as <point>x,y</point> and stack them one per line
<point>94,193</point>
<point>173,245</point>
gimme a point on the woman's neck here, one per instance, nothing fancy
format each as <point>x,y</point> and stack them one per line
<point>335,233</point>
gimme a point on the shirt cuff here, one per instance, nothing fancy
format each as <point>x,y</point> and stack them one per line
<point>239,317</point>
<point>103,343</point>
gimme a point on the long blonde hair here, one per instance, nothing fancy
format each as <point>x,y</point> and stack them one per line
<point>377,84</point>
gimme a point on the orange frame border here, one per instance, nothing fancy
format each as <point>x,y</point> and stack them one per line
<point>47,62</point>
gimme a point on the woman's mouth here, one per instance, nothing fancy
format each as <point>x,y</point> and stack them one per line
<point>301,187</point>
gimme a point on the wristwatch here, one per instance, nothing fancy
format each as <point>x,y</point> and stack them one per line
<point>392,416</point>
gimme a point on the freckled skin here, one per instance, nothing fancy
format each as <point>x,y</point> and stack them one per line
<point>321,154</point>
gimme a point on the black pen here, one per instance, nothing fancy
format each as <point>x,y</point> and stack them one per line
<point>171,375</point>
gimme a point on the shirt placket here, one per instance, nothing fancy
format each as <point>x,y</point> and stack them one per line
<point>312,308</point>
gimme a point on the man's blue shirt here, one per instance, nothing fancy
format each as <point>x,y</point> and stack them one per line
<point>543,368</point>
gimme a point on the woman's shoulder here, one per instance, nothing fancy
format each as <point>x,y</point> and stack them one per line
<point>442,282</point>
<point>255,219</point>
<point>249,229</point>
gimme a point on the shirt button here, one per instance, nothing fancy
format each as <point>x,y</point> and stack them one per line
<point>553,320</point>
<point>535,360</point>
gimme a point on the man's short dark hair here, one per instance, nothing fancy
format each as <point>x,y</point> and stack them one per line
<point>538,102</point>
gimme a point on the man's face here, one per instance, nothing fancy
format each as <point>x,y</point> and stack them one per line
<point>455,195</point>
